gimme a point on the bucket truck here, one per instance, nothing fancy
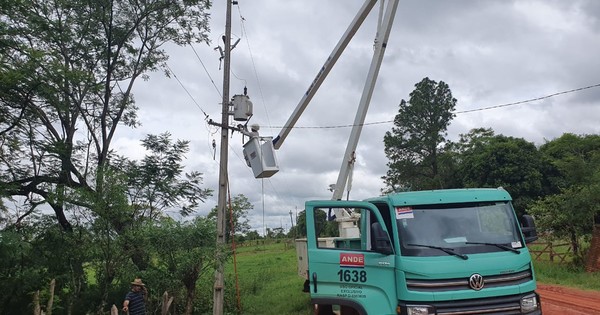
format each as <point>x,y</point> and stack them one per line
<point>459,251</point>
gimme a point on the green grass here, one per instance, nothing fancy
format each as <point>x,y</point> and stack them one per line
<point>566,275</point>
<point>562,273</point>
<point>268,280</point>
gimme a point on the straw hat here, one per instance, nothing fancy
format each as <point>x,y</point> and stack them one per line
<point>138,281</point>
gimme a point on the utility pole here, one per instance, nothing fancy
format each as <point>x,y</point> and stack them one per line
<point>219,286</point>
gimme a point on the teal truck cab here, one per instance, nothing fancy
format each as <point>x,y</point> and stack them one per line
<point>459,251</point>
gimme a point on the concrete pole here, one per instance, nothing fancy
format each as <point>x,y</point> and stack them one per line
<point>219,286</point>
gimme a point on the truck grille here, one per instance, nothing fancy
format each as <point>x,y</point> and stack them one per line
<point>494,281</point>
<point>498,305</point>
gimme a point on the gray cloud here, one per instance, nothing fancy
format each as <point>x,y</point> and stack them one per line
<point>489,52</point>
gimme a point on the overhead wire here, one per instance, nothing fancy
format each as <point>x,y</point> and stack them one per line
<point>186,90</point>
<point>207,73</point>
<point>529,100</point>
<point>246,37</point>
<point>260,90</point>
<point>211,131</point>
<point>456,112</point>
<point>241,79</point>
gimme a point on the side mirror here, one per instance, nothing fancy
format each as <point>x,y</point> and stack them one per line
<point>380,240</point>
<point>528,228</point>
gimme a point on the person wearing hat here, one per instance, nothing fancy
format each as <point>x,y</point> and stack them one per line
<point>135,300</point>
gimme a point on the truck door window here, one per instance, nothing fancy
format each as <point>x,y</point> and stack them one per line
<point>343,228</point>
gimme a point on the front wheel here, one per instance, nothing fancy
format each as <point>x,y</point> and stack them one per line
<point>323,309</point>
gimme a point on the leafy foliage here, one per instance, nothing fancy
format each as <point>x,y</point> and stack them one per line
<point>67,73</point>
<point>236,216</point>
<point>325,227</point>
<point>487,160</point>
<point>414,144</point>
<point>558,183</point>
<point>573,209</point>
<point>156,182</point>
<point>182,252</point>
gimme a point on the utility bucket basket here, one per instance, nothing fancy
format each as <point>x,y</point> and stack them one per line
<point>261,157</point>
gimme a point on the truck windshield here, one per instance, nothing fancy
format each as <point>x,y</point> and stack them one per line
<point>461,228</point>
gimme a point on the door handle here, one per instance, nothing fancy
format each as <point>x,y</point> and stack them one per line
<point>314,279</point>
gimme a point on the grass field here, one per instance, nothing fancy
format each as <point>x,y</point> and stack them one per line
<point>268,280</point>
<point>562,273</point>
<point>269,283</point>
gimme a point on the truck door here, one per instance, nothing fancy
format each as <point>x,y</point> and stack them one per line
<point>357,270</point>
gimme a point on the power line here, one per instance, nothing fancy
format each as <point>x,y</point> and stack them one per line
<point>245,35</point>
<point>186,90</point>
<point>206,70</point>
<point>529,100</point>
<point>456,112</point>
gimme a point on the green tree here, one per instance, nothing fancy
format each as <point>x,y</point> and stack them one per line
<point>135,196</point>
<point>252,235</point>
<point>324,226</point>
<point>236,216</point>
<point>29,262</point>
<point>573,210</point>
<point>488,160</point>
<point>158,181</point>
<point>299,230</point>
<point>67,74</point>
<point>110,240</point>
<point>414,144</point>
<point>20,275</point>
<point>568,215</point>
<point>183,251</point>
<point>277,232</point>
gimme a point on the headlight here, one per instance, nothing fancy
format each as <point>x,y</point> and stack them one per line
<point>420,310</point>
<point>529,303</point>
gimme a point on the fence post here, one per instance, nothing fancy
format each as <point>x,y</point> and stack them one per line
<point>51,299</point>
<point>37,310</point>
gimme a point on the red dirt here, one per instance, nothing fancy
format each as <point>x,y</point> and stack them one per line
<point>559,300</point>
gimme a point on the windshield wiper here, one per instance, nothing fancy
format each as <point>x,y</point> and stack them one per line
<point>446,250</point>
<point>502,246</point>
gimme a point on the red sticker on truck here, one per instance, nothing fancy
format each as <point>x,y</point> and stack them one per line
<point>404,213</point>
<point>352,260</point>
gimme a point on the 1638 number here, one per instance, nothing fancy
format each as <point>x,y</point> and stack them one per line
<point>352,275</point>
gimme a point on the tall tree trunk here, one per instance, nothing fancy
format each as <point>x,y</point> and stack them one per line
<point>189,281</point>
<point>51,298</point>
<point>592,261</point>
<point>37,310</point>
<point>189,301</point>
<point>77,274</point>
<point>575,243</point>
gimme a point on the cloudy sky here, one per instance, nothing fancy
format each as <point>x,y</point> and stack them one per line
<point>490,53</point>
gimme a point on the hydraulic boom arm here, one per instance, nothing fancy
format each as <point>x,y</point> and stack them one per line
<point>383,31</point>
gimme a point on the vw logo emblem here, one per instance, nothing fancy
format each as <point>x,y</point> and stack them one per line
<point>476,282</point>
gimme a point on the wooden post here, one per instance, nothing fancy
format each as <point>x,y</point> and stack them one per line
<point>37,310</point>
<point>166,303</point>
<point>51,299</point>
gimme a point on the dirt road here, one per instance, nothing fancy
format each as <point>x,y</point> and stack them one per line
<point>558,300</point>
